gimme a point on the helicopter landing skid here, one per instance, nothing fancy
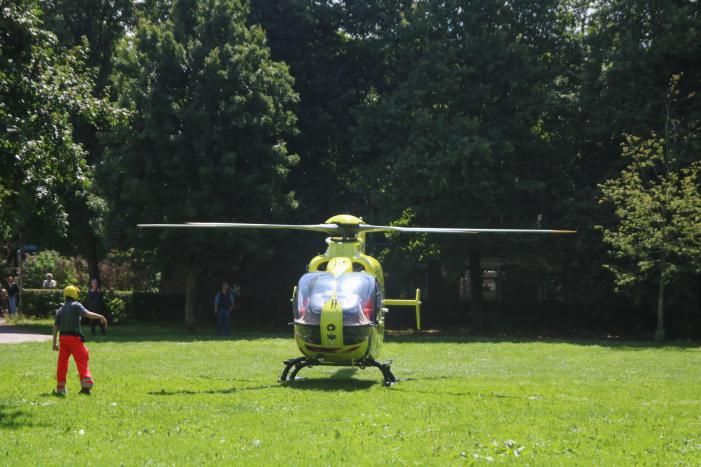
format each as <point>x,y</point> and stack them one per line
<point>387,374</point>
<point>296,364</point>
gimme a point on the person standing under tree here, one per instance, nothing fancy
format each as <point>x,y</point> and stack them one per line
<point>96,303</point>
<point>223,304</point>
<point>12,295</point>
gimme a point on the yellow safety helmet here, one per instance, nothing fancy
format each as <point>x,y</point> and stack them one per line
<point>71,291</point>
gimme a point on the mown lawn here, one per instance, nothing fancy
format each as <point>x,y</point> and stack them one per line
<point>163,397</point>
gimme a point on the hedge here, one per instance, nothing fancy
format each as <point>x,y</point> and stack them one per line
<point>121,305</point>
<point>41,302</point>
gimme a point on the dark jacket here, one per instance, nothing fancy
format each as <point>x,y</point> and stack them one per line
<point>95,301</point>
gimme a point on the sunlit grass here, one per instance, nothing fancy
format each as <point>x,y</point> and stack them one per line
<point>165,397</point>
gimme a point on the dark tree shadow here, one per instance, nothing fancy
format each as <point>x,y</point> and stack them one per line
<point>25,328</point>
<point>14,418</point>
<point>176,332</point>
<point>437,336</point>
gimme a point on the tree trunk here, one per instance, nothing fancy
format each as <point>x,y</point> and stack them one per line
<point>92,258</point>
<point>190,283</point>
<point>660,332</point>
<point>475,256</point>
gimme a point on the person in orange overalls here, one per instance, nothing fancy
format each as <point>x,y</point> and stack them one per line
<point>71,341</point>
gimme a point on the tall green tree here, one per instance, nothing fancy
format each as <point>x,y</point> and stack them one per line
<point>657,202</point>
<point>460,136</point>
<point>657,236</point>
<point>630,50</point>
<point>42,86</point>
<point>334,51</point>
<point>210,115</point>
<point>96,26</point>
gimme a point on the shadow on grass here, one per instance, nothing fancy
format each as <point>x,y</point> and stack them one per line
<point>231,390</point>
<point>442,391</point>
<point>342,380</point>
<point>178,333</point>
<point>328,384</point>
<point>26,328</point>
<point>610,342</point>
<point>14,418</point>
<point>175,332</point>
<point>475,395</point>
<point>148,332</point>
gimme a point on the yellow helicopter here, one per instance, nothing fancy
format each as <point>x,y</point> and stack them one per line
<point>339,306</point>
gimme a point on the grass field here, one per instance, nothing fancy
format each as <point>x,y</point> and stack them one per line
<point>163,397</point>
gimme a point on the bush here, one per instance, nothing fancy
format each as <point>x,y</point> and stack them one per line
<point>121,305</point>
<point>41,302</point>
<point>65,270</point>
<point>44,302</point>
<point>116,303</point>
<point>129,270</point>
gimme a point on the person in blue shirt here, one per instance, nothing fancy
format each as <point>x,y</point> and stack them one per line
<point>223,305</point>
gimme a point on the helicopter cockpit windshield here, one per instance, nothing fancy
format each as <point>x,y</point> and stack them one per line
<point>356,292</point>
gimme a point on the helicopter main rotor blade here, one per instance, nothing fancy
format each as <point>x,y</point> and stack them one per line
<point>448,230</point>
<point>326,228</point>
<point>348,229</point>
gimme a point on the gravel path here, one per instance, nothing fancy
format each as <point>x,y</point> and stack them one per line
<point>10,334</point>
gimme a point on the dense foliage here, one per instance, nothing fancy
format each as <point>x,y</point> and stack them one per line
<point>120,305</point>
<point>42,85</point>
<point>488,114</point>
<point>64,270</point>
<point>658,210</point>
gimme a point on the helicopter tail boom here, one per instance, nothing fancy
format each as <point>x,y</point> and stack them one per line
<point>403,302</point>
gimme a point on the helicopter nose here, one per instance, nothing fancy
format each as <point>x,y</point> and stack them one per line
<point>331,324</point>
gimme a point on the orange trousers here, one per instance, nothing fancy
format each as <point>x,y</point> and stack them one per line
<point>72,345</point>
